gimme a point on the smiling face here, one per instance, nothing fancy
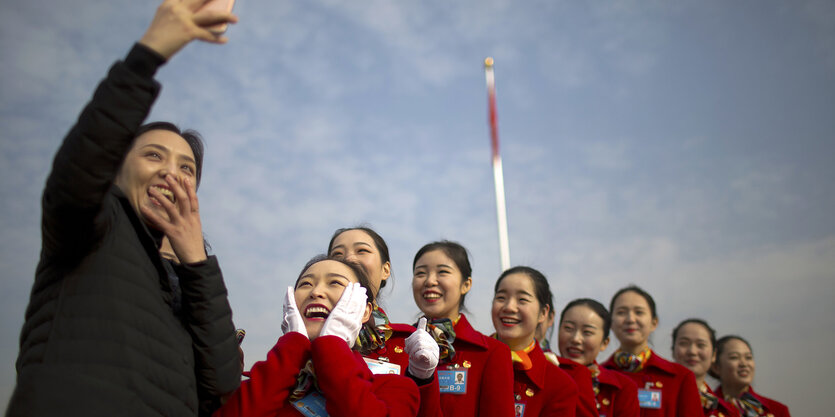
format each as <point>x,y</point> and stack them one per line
<point>358,246</point>
<point>735,365</point>
<point>155,154</point>
<point>632,321</point>
<point>516,311</point>
<point>692,348</point>
<point>581,335</point>
<point>319,289</point>
<point>438,285</point>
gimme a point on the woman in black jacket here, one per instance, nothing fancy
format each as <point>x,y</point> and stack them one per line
<point>108,330</point>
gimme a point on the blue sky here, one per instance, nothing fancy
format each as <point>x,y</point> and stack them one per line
<point>686,147</point>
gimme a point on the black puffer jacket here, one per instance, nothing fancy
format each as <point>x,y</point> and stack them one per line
<point>101,337</point>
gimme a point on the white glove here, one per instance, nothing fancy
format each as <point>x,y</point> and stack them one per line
<point>423,352</point>
<point>345,320</point>
<point>293,321</point>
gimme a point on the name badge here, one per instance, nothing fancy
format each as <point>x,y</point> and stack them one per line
<point>649,398</point>
<point>520,410</point>
<point>453,381</point>
<point>382,368</point>
<point>312,405</point>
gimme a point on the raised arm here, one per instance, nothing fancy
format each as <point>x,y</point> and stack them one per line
<point>90,156</point>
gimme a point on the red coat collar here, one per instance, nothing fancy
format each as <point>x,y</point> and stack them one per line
<point>608,377</point>
<point>402,328</point>
<point>464,332</point>
<point>540,364</point>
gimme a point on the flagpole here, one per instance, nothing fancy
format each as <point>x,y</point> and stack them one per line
<point>498,175</point>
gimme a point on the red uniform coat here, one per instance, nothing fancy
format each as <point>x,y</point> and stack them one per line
<point>772,408</point>
<point>679,395</point>
<point>586,404</point>
<point>617,396</point>
<point>395,352</point>
<point>349,388</point>
<point>489,375</point>
<point>545,389</point>
<point>723,409</point>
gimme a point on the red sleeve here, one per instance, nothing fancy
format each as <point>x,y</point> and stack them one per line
<point>689,400</point>
<point>430,399</point>
<point>626,400</point>
<point>350,389</point>
<point>271,381</point>
<point>496,396</point>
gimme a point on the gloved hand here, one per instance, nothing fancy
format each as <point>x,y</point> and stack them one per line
<point>423,352</point>
<point>345,320</point>
<point>293,321</point>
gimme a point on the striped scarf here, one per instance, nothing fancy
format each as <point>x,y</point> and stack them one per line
<point>632,363</point>
<point>709,401</point>
<point>747,404</point>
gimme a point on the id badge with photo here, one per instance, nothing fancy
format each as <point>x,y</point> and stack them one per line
<point>312,405</point>
<point>519,410</point>
<point>649,398</point>
<point>382,368</point>
<point>453,381</point>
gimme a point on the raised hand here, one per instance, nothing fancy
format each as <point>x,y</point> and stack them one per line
<point>293,321</point>
<point>178,22</point>
<point>423,352</point>
<point>345,320</point>
<point>182,227</point>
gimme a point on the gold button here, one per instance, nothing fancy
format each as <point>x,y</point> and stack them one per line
<point>398,349</point>
<point>467,364</point>
<point>529,392</point>
<point>659,384</point>
<point>605,401</point>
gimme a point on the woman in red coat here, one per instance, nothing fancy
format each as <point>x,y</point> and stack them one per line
<point>388,347</point>
<point>664,388</point>
<point>582,375</point>
<point>582,334</point>
<point>475,372</point>
<point>734,368</point>
<point>693,348</point>
<point>312,370</point>
<point>520,304</point>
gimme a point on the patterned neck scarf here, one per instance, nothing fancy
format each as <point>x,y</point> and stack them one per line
<point>442,330</point>
<point>373,333</point>
<point>595,381</point>
<point>304,382</point>
<point>747,404</point>
<point>632,363</point>
<point>709,401</point>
